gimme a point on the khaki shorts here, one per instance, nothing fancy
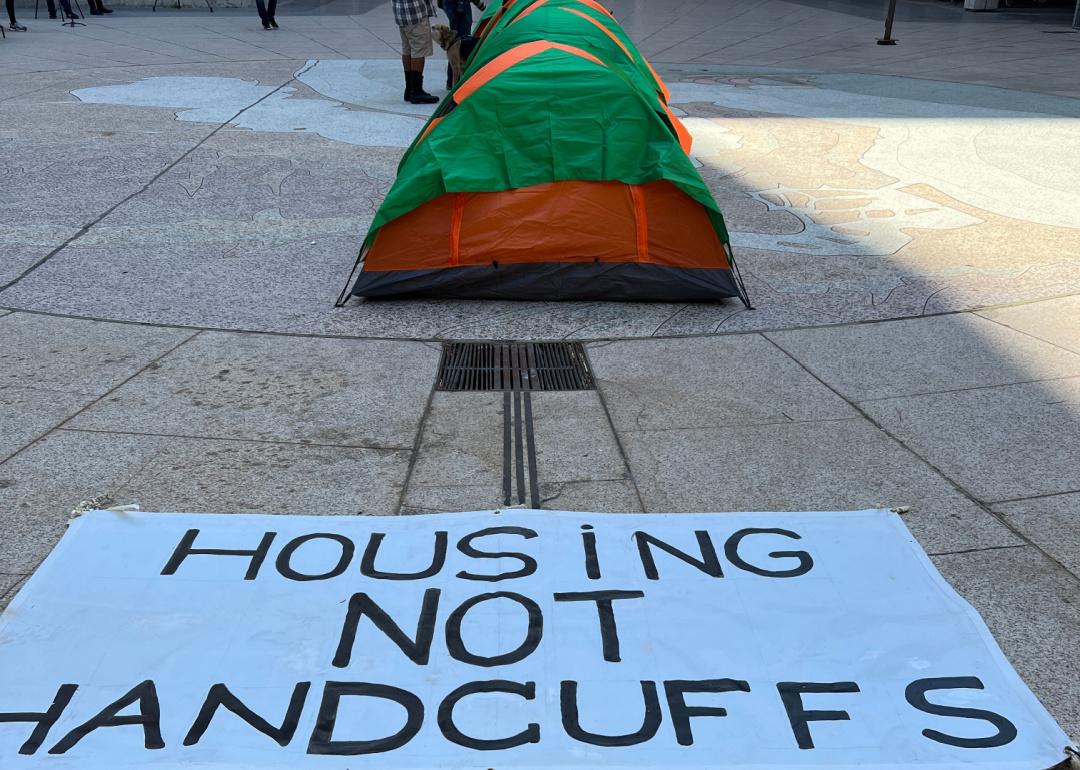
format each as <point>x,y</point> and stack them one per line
<point>416,40</point>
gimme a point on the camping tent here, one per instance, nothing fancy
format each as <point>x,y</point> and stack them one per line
<point>554,170</point>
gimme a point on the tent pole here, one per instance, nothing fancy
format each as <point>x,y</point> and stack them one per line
<point>344,296</point>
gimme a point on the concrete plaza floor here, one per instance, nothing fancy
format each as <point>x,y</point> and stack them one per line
<point>183,195</point>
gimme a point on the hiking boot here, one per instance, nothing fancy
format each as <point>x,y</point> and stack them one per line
<point>16,27</point>
<point>419,95</point>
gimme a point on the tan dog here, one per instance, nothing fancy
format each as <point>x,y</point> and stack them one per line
<point>449,41</point>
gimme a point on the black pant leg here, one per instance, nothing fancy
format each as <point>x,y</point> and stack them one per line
<point>11,11</point>
<point>261,8</point>
<point>271,9</point>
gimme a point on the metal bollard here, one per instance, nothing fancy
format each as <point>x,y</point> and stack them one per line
<point>889,39</point>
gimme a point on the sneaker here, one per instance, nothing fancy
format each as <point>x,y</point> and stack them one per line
<point>16,27</point>
<point>273,22</point>
<point>266,24</point>
<point>106,10</point>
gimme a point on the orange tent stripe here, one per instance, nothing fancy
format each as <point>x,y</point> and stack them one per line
<point>602,28</point>
<point>641,222</point>
<point>525,13</point>
<point>659,82</point>
<point>596,6</point>
<point>686,141</point>
<point>515,55</point>
<point>455,228</point>
<point>434,122</point>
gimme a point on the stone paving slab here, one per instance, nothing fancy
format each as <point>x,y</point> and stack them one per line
<point>51,368</point>
<point>67,355</point>
<point>27,413</point>
<point>1032,607</point>
<point>294,389</point>
<point>878,361</point>
<point>1052,523</point>
<point>829,465</point>
<point>1056,321</point>
<point>710,383</point>
<point>168,473</point>
<point>999,443</point>
<point>573,439</point>
<point>595,496</point>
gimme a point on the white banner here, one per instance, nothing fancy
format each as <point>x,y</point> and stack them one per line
<point>517,639</point>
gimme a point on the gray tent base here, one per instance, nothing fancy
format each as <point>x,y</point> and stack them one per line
<point>556,281</point>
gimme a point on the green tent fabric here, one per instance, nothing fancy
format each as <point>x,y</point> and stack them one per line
<point>556,116</point>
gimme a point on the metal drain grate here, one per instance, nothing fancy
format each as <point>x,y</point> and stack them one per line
<point>472,366</point>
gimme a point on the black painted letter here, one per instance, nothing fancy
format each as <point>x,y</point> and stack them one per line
<point>284,559</point>
<point>44,719</point>
<point>368,569</point>
<point>322,737</point>
<point>709,562</point>
<point>572,723</point>
<point>149,717</point>
<point>528,563</point>
<point>731,551</point>
<point>531,734</point>
<point>184,549</point>
<point>220,695</point>
<point>791,695</point>
<point>456,646</point>
<point>676,689</point>
<point>609,632</point>
<point>916,696</point>
<point>418,649</point>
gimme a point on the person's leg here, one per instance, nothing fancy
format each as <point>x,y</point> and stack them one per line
<point>420,46</point>
<point>271,11</point>
<point>260,6</point>
<point>51,4</point>
<point>13,25</point>
<point>452,15</point>
<point>406,62</point>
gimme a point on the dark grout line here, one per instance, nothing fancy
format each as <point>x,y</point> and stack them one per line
<point>969,388</point>
<point>618,441</point>
<point>979,550</point>
<point>86,228</point>
<point>952,482</point>
<point>1033,497</point>
<point>272,442</point>
<point>437,340</point>
<point>98,400</point>
<point>417,442</point>
<point>979,313</point>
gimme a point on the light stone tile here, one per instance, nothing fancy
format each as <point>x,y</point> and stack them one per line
<point>999,443</point>
<point>707,383</point>
<point>1032,607</point>
<point>194,475</point>
<point>27,414</point>
<point>839,465</point>
<point>873,361</point>
<point>1054,320</point>
<point>308,390</point>
<point>573,439</point>
<point>598,496</point>
<point>75,356</point>
<point>461,446</point>
<point>1052,523</point>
